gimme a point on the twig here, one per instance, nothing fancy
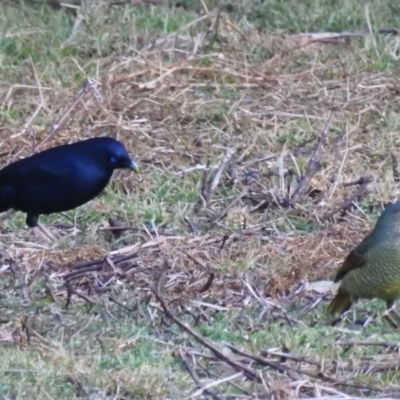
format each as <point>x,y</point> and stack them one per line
<point>249,372</point>
<point>203,191</point>
<point>228,207</point>
<point>132,310</point>
<point>388,345</point>
<point>196,260</point>
<point>83,271</point>
<point>192,227</point>
<point>313,164</point>
<point>25,328</point>
<point>215,383</point>
<point>209,186</point>
<point>346,203</point>
<point>211,274</point>
<point>95,265</point>
<point>49,290</point>
<point>209,282</point>
<point>42,102</point>
<point>71,291</point>
<point>87,86</point>
<point>360,181</point>
<point>77,385</point>
<point>293,357</point>
<point>395,169</point>
<point>309,307</point>
<point>195,168</point>
<point>195,378</point>
<point>118,227</point>
<point>287,369</point>
<point>225,160</point>
<point>261,360</point>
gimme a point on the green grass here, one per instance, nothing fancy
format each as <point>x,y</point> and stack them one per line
<point>105,355</point>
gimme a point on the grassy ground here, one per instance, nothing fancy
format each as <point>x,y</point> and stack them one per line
<point>223,109</point>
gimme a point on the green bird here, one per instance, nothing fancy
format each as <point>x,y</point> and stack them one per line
<point>372,269</point>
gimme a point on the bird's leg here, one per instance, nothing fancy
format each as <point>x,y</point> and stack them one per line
<point>343,316</point>
<point>32,222</point>
<point>354,315</point>
<point>367,320</point>
<point>346,311</point>
<point>389,309</point>
<point>363,322</point>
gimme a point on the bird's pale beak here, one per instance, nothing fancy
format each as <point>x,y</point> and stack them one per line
<point>134,167</point>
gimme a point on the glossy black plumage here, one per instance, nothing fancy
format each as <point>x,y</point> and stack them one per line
<point>61,178</point>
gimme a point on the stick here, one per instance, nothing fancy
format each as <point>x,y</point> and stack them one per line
<point>248,372</point>
<point>313,164</point>
<point>195,378</point>
<point>346,203</point>
<point>87,86</point>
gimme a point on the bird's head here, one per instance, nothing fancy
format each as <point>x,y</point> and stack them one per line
<point>390,217</point>
<point>119,158</point>
<point>113,154</point>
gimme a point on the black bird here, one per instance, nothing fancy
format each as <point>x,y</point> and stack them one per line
<point>61,178</point>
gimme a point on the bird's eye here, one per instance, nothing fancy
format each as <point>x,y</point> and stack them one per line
<point>113,159</point>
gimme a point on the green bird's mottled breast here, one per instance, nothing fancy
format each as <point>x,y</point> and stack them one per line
<point>379,276</point>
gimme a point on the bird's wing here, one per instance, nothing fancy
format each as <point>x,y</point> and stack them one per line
<point>35,173</point>
<point>356,258</point>
<point>353,261</point>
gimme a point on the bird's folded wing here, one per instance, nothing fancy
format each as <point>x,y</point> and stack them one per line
<point>353,261</point>
<point>358,257</point>
<point>35,174</point>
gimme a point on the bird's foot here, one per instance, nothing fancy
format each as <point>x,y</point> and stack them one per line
<point>342,317</point>
<point>353,312</point>
<point>363,322</point>
<point>366,321</point>
<point>334,321</point>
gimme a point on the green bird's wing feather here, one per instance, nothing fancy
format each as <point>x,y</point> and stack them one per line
<point>356,258</point>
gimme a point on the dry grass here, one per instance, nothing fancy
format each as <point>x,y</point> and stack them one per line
<point>227,121</point>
